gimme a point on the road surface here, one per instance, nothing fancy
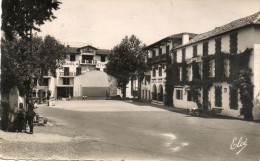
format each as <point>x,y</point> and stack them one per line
<point>117,130</point>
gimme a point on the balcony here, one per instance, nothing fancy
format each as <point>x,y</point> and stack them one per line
<point>100,64</point>
<point>48,75</point>
<point>67,74</point>
<point>71,63</point>
<point>41,87</point>
<point>157,59</point>
<point>87,62</point>
<point>64,85</point>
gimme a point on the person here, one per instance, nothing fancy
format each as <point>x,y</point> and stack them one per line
<point>35,106</point>
<point>30,116</point>
<point>20,119</point>
<point>83,97</point>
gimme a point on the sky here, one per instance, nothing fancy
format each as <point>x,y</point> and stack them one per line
<point>104,23</point>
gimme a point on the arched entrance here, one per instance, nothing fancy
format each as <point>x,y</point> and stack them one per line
<point>160,93</point>
<point>154,93</point>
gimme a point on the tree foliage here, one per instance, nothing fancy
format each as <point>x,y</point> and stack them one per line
<point>246,89</point>
<point>19,66</point>
<point>20,16</point>
<point>127,61</point>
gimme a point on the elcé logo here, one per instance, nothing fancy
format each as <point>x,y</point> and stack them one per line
<point>238,144</point>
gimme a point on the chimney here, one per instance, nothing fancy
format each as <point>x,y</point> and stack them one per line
<point>185,39</point>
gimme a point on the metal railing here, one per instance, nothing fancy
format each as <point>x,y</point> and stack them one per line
<point>67,74</point>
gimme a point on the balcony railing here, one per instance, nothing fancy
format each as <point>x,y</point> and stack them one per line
<point>88,62</point>
<point>67,74</point>
<point>42,87</point>
<point>100,64</point>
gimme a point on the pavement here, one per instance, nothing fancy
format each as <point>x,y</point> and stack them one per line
<point>126,130</point>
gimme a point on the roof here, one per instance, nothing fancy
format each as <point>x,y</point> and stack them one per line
<point>88,46</point>
<point>249,20</point>
<point>175,36</point>
<point>72,50</point>
<point>103,52</point>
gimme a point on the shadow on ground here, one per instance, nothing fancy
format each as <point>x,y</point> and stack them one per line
<point>185,112</point>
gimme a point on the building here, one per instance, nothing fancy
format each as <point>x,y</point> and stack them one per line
<point>82,73</point>
<point>153,84</point>
<point>209,64</point>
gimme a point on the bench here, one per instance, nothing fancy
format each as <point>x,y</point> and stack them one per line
<point>195,112</point>
<point>215,111</point>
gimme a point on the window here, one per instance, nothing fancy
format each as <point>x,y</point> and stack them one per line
<point>218,45</point>
<point>218,96</point>
<point>167,49</point>
<point>183,54</point>
<point>189,93</point>
<point>154,72</point>
<point>179,94</point>
<point>160,51</point>
<point>154,53</point>
<point>160,71</point>
<point>66,81</point>
<point>175,56</point>
<point>233,42</point>
<point>78,71</point>
<point>66,71</point>
<point>72,57</point>
<point>205,48</point>
<point>103,58</point>
<point>195,51</point>
<point>212,68</point>
<point>233,98</point>
<point>45,81</point>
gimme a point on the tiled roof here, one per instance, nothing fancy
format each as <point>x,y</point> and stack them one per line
<point>72,50</point>
<point>175,36</point>
<point>249,20</point>
<point>103,52</point>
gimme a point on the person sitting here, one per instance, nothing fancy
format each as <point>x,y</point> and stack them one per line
<point>20,119</point>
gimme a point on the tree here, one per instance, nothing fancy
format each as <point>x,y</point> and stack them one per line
<point>49,56</point>
<point>246,88</point>
<point>127,61</point>
<point>19,17</point>
<point>19,67</point>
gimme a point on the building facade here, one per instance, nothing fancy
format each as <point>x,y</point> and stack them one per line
<point>82,73</point>
<point>210,64</point>
<point>153,84</point>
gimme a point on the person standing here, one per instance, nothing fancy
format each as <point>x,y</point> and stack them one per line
<point>30,116</point>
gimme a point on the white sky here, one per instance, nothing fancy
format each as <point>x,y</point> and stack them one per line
<point>104,23</point>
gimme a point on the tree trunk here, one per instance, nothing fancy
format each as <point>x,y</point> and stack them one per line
<point>124,90</point>
<point>139,87</point>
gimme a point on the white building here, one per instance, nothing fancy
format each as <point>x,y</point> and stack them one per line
<point>207,66</point>
<point>81,74</point>
<point>153,84</point>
